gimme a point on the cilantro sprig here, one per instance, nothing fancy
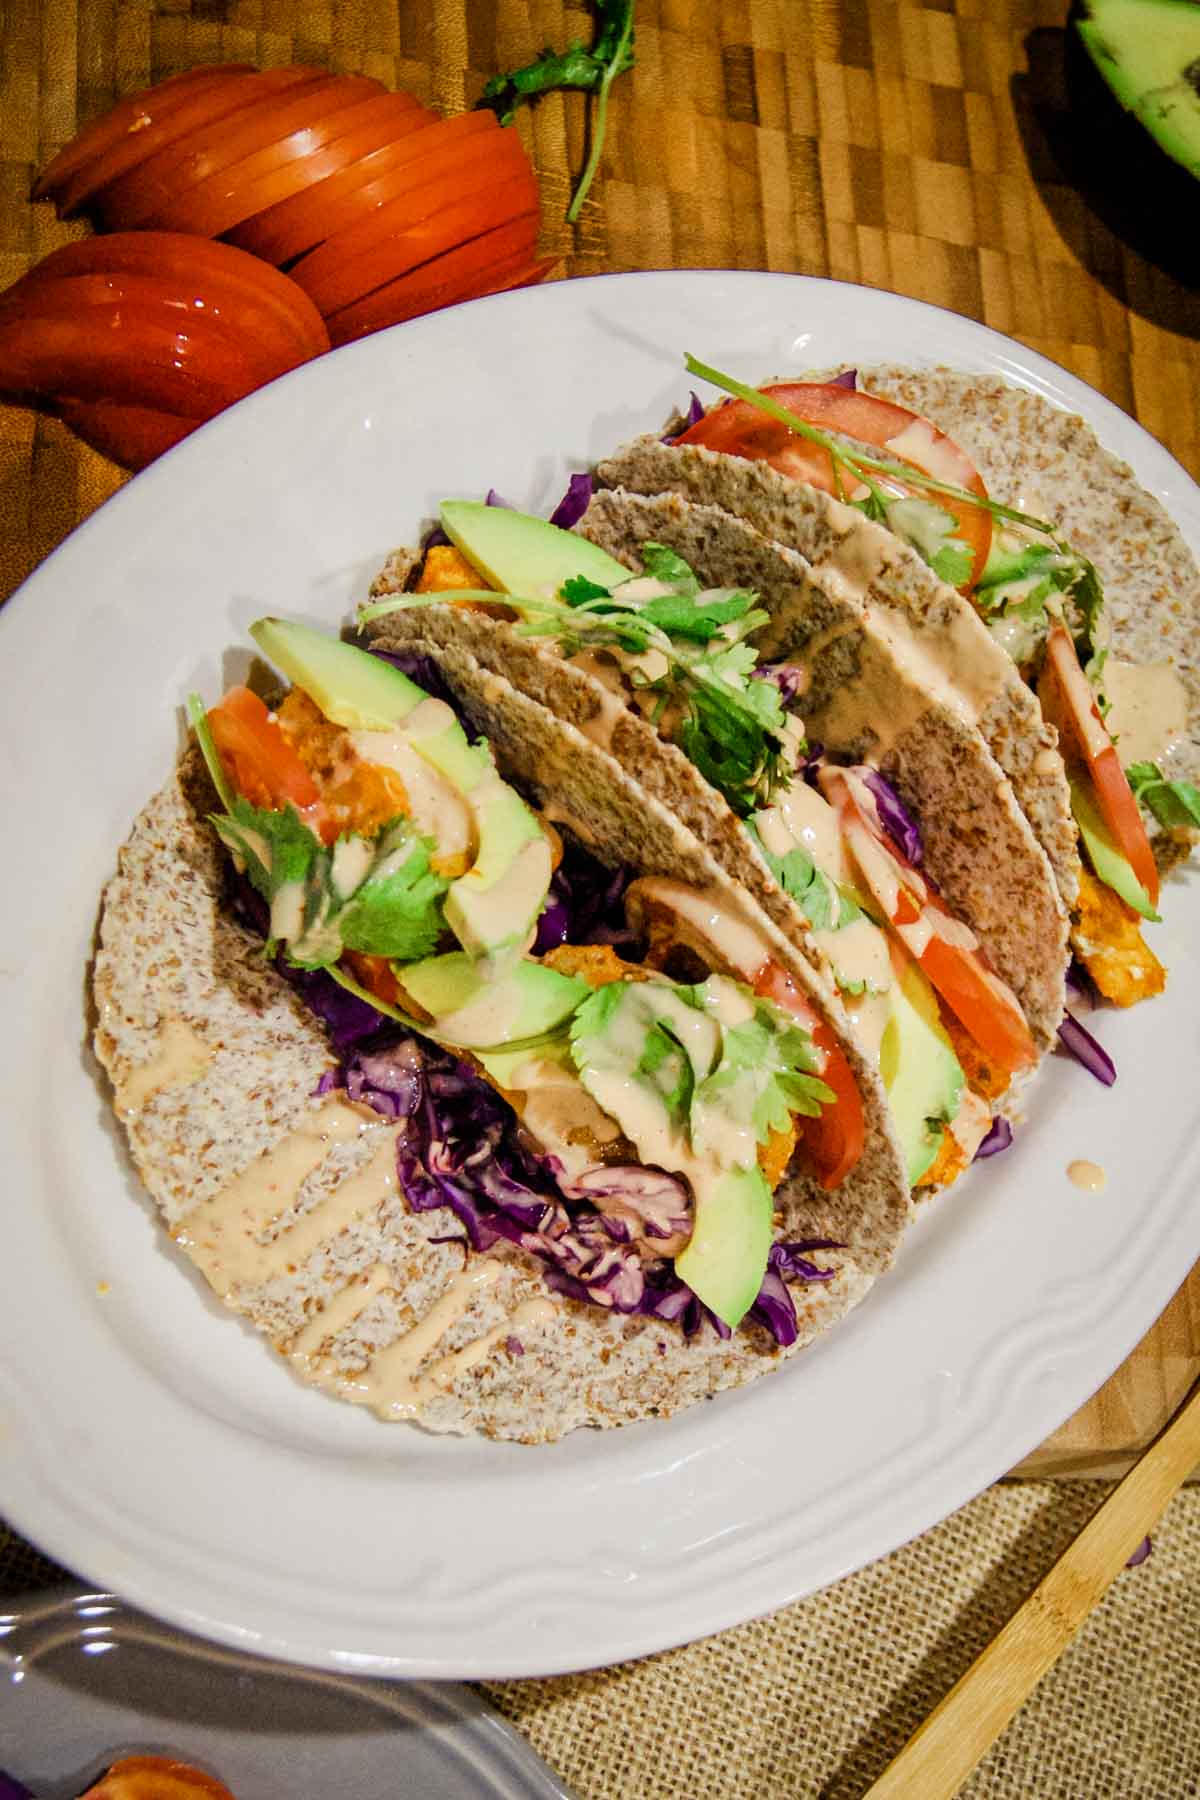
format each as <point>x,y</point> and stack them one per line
<point>1173,803</point>
<point>592,70</point>
<point>732,727</point>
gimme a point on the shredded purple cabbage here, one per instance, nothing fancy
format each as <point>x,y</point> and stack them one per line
<point>495,499</point>
<point>894,816</point>
<point>999,1137</point>
<point>693,416</point>
<point>425,672</point>
<point>1143,1553</point>
<point>1079,1043</point>
<point>574,502</point>
<point>585,904</point>
<point>790,678</point>
<point>1080,983</point>
<point>847,379</point>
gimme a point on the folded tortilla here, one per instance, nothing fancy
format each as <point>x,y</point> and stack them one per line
<point>288,1200</point>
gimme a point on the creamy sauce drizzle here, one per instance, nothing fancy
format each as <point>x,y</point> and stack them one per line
<point>1147,712</point>
<point>736,944</point>
<point>556,1108</point>
<point>1087,1175</point>
<point>439,810</point>
<point>180,1056</point>
<point>391,1384</point>
<point>220,1235</point>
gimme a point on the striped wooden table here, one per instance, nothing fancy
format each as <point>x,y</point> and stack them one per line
<point>918,148</point>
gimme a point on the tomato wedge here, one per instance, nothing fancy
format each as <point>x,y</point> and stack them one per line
<point>334,278</point>
<point>287,166</point>
<point>835,1138</point>
<point>130,435</point>
<point>1070,705</point>
<point>947,951</point>
<point>737,428</point>
<point>156,1778</point>
<point>257,757</point>
<point>129,116</point>
<point>192,269</point>
<point>141,196</point>
<point>293,226</point>
<point>202,104</point>
<point>484,265</point>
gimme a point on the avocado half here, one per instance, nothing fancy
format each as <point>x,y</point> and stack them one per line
<point>1148,51</point>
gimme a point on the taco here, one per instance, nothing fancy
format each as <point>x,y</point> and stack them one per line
<point>421,1094</point>
<point>1076,573</point>
<point>973,941</point>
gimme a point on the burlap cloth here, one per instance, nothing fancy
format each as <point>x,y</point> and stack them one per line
<point>904,145</point>
<point>815,1701</point>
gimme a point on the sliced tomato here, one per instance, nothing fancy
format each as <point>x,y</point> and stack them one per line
<point>292,226</point>
<point>948,952</point>
<point>129,116</point>
<point>202,104</point>
<point>130,435</point>
<point>484,265</point>
<point>139,356</point>
<point>287,166</point>
<point>835,1138</point>
<point>195,270</point>
<point>257,757</point>
<point>156,1778</point>
<point>334,279</point>
<point>145,193</point>
<point>447,168</point>
<point>1070,705</point>
<point>737,428</point>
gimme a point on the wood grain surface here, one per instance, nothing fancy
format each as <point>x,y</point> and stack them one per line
<point>926,149</point>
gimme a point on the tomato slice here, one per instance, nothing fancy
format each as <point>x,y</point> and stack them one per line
<point>201,105</point>
<point>130,435</point>
<point>195,270</point>
<point>737,428</point>
<point>257,757</point>
<point>293,226</point>
<point>947,951</point>
<point>142,196</point>
<point>138,355</point>
<point>334,278</point>
<point>156,1778</point>
<point>835,1138</point>
<point>484,265</point>
<point>1070,705</point>
<point>134,114</point>
<point>287,167</point>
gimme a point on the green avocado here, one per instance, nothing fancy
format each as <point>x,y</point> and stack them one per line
<point>1113,869</point>
<point>1148,51</point>
<point>354,690</point>
<point>523,555</point>
<point>727,1252</point>
<point>477,1013</point>
<point>492,907</point>
<point>921,1073</point>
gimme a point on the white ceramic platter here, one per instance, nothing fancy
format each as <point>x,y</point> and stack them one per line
<point>146,1439</point>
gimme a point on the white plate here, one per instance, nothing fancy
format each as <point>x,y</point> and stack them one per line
<point>83,1681</point>
<point>146,1439</point>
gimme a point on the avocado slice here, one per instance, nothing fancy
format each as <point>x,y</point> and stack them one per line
<point>520,554</point>
<point>477,1013</point>
<point>492,907</point>
<point>920,1071</point>
<point>1148,51</point>
<point>354,690</point>
<point>1113,869</point>
<point>727,1253</point>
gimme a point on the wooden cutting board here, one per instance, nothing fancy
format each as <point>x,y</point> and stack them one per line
<point>906,146</point>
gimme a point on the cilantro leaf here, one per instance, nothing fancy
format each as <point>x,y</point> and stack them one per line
<point>663,564</point>
<point>666,1064</point>
<point>953,562</point>
<point>826,904</point>
<point>930,530</point>
<point>765,1074</point>
<point>1173,803</point>
<point>579,589</point>
<point>276,848</point>
<point>396,912</point>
